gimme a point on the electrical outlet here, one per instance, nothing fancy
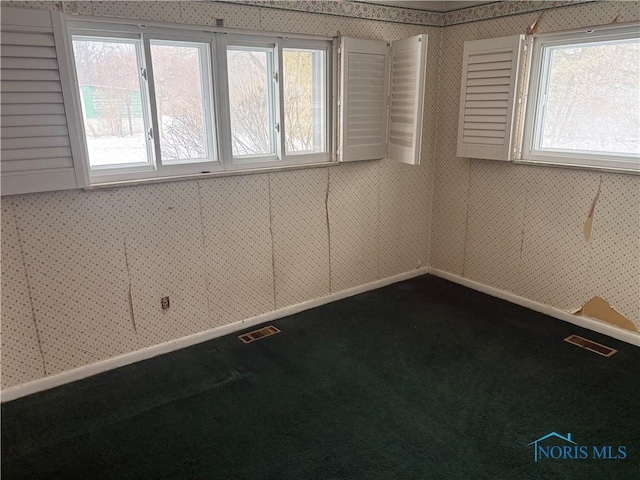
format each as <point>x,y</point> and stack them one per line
<point>164,301</point>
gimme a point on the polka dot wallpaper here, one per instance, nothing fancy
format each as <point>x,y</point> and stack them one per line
<point>83,272</point>
<point>520,228</point>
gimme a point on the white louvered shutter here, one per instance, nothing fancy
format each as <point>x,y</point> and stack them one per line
<point>363,99</point>
<point>406,98</point>
<point>35,147</point>
<point>488,97</point>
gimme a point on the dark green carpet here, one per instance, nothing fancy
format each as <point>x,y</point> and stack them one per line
<point>424,379</point>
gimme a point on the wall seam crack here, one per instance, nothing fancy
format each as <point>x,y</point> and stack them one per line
<point>273,248</point>
<point>204,250</point>
<point>130,293</point>
<point>326,208</point>
<point>26,274</point>
<point>466,224</point>
<point>379,253</point>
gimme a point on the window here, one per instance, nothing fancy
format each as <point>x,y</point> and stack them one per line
<point>110,92</point>
<point>584,99</point>
<point>276,98</point>
<point>251,101</point>
<point>153,105</point>
<point>181,86</point>
<point>304,98</point>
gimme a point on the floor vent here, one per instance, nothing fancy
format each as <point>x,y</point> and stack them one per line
<point>258,334</point>
<point>589,345</point>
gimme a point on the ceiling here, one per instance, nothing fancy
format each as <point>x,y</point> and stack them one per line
<point>442,6</point>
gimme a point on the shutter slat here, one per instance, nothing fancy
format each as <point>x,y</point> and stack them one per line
<point>25,74</point>
<point>485,118</point>
<point>38,142</point>
<point>490,74</point>
<point>30,86</point>
<point>38,131</point>
<point>488,89</point>
<point>37,164</point>
<point>486,111</point>
<point>28,51</point>
<point>484,141</point>
<point>488,96</point>
<point>484,133</point>
<point>490,58</point>
<point>33,97</point>
<point>33,109</point>
<point>35,153</point>
<point>31,120</point>
<point>473,82</point>
<point>470,104</point>
<point>483,126</point>
<point>27,39</point>
<point>29,63</point>
<point>478,67</point>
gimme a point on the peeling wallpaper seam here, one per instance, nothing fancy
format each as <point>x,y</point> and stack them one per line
<point>129,293</point>
<point>29,289</point>
<point>326,208</point>
<point>204,244</point>
<point>466,224</point>
<point>273,253</point>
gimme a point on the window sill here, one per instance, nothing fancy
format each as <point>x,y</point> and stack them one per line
<point>200,176</point>
<point>575,166</point>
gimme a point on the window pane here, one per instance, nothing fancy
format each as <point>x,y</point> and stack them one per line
<point>109,82</point>
<point>178,82</point>
<point>304,100</point>
<point>593,98</point>
<point>251,100</point>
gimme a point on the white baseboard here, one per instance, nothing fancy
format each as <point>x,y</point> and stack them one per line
<point>85,371</point>
<point>590,323</point>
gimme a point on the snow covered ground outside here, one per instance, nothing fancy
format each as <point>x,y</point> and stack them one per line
<point>112,150</point>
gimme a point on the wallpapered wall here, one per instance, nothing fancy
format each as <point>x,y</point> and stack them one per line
<point>83,272</point>
<point>520,228</point>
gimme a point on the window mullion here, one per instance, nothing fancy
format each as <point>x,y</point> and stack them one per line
<point>207,85</point>
<point>151,96</point>
<point>221,93</point>
<point>280,132</point>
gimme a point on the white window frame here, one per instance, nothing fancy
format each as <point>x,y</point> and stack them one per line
<point>280,157</point>
<point>216,99</point>
<point>206,65</point>
<point>538,70</point>
<point>143,35</point>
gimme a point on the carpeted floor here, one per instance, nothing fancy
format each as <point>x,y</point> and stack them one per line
<point>423,379</point>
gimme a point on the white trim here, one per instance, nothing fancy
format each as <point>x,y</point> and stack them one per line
<point>71,98</point>
<point>79,373</point>
<point>92,22</point>
<point>584,322</point>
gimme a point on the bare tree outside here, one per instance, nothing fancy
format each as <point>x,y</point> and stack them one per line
<point>178,85</point>
<point>251,90</point>
<point>108,78</point>
<point>250,101</point>
<point>593,98</point>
